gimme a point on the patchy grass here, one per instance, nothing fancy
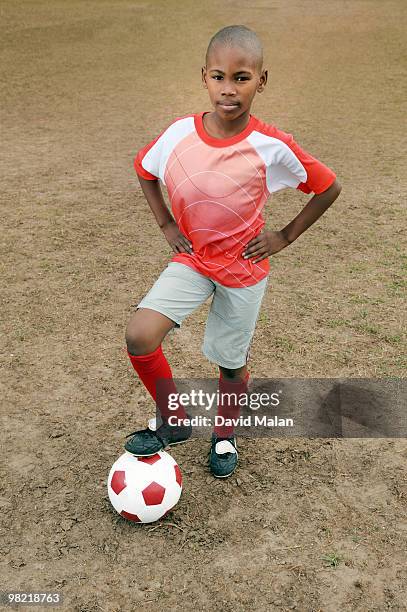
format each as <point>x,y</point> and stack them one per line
<point>332,559</point>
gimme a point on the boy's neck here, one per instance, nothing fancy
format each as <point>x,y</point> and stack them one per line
<point>217,127</point>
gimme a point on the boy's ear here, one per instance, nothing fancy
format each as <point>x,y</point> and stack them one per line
<point>204,77</point>
<point>262,81</point>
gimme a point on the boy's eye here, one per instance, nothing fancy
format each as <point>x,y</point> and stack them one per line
<point>218,77</point>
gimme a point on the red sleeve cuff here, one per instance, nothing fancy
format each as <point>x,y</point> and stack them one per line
<point>321,188</point>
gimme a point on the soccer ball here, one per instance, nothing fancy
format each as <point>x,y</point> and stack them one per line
<point>144,489</point>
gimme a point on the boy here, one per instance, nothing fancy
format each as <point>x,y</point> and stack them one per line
<point>219,168</point>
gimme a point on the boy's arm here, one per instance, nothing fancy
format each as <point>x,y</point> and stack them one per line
<point>270,242</point>
<point>316,207</point>
<point>166,222</point>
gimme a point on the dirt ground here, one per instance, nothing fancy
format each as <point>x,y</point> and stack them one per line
<point>85,84</point>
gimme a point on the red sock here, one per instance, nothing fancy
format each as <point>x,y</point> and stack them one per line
<point>154,368</point>
<point>229,408</point>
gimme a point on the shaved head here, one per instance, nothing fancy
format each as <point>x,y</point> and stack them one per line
<point>238,36</point>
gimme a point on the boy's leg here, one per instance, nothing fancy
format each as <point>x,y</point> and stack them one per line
<point>228,335</point>
<point>145,332</point>
<point>177,292</point>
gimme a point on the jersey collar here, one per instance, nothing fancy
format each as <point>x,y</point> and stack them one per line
<point>221,142</point>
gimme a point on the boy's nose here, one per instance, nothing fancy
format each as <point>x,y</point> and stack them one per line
<point>228,89</point>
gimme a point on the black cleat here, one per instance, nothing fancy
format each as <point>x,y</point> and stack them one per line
<point>223,456</point>
<point>149,441</point>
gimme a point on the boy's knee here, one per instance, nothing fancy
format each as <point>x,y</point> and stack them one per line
<point>227,372</point>
<point>139,341</point>
<point>231,374</point>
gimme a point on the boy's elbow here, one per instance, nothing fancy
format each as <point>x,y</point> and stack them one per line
<point>336,187</point>
<point>332,192</point>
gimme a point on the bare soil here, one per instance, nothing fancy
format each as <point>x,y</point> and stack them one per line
<point>85,84</point>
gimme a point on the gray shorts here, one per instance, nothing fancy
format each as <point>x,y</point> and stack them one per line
<point>180,289</point>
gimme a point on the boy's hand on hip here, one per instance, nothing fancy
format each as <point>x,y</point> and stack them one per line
<point>265,244</point>
<point>177,241</point>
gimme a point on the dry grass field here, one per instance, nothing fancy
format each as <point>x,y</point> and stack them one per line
<point>313,525</point>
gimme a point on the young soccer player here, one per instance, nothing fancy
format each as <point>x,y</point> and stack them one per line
<point>219,169</point>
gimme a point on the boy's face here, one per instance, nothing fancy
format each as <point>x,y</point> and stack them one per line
<point>232,76</point>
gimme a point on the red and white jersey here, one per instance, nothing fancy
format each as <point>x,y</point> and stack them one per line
<point>218,188</point>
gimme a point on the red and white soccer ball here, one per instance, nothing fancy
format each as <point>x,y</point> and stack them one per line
<point>144,489</point>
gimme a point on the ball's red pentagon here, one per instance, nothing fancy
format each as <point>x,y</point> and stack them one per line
<point>151,460</point>
<point>178,475</point>
<point>130,516</point>
<point>118,482</point>
<point>153,494</point>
